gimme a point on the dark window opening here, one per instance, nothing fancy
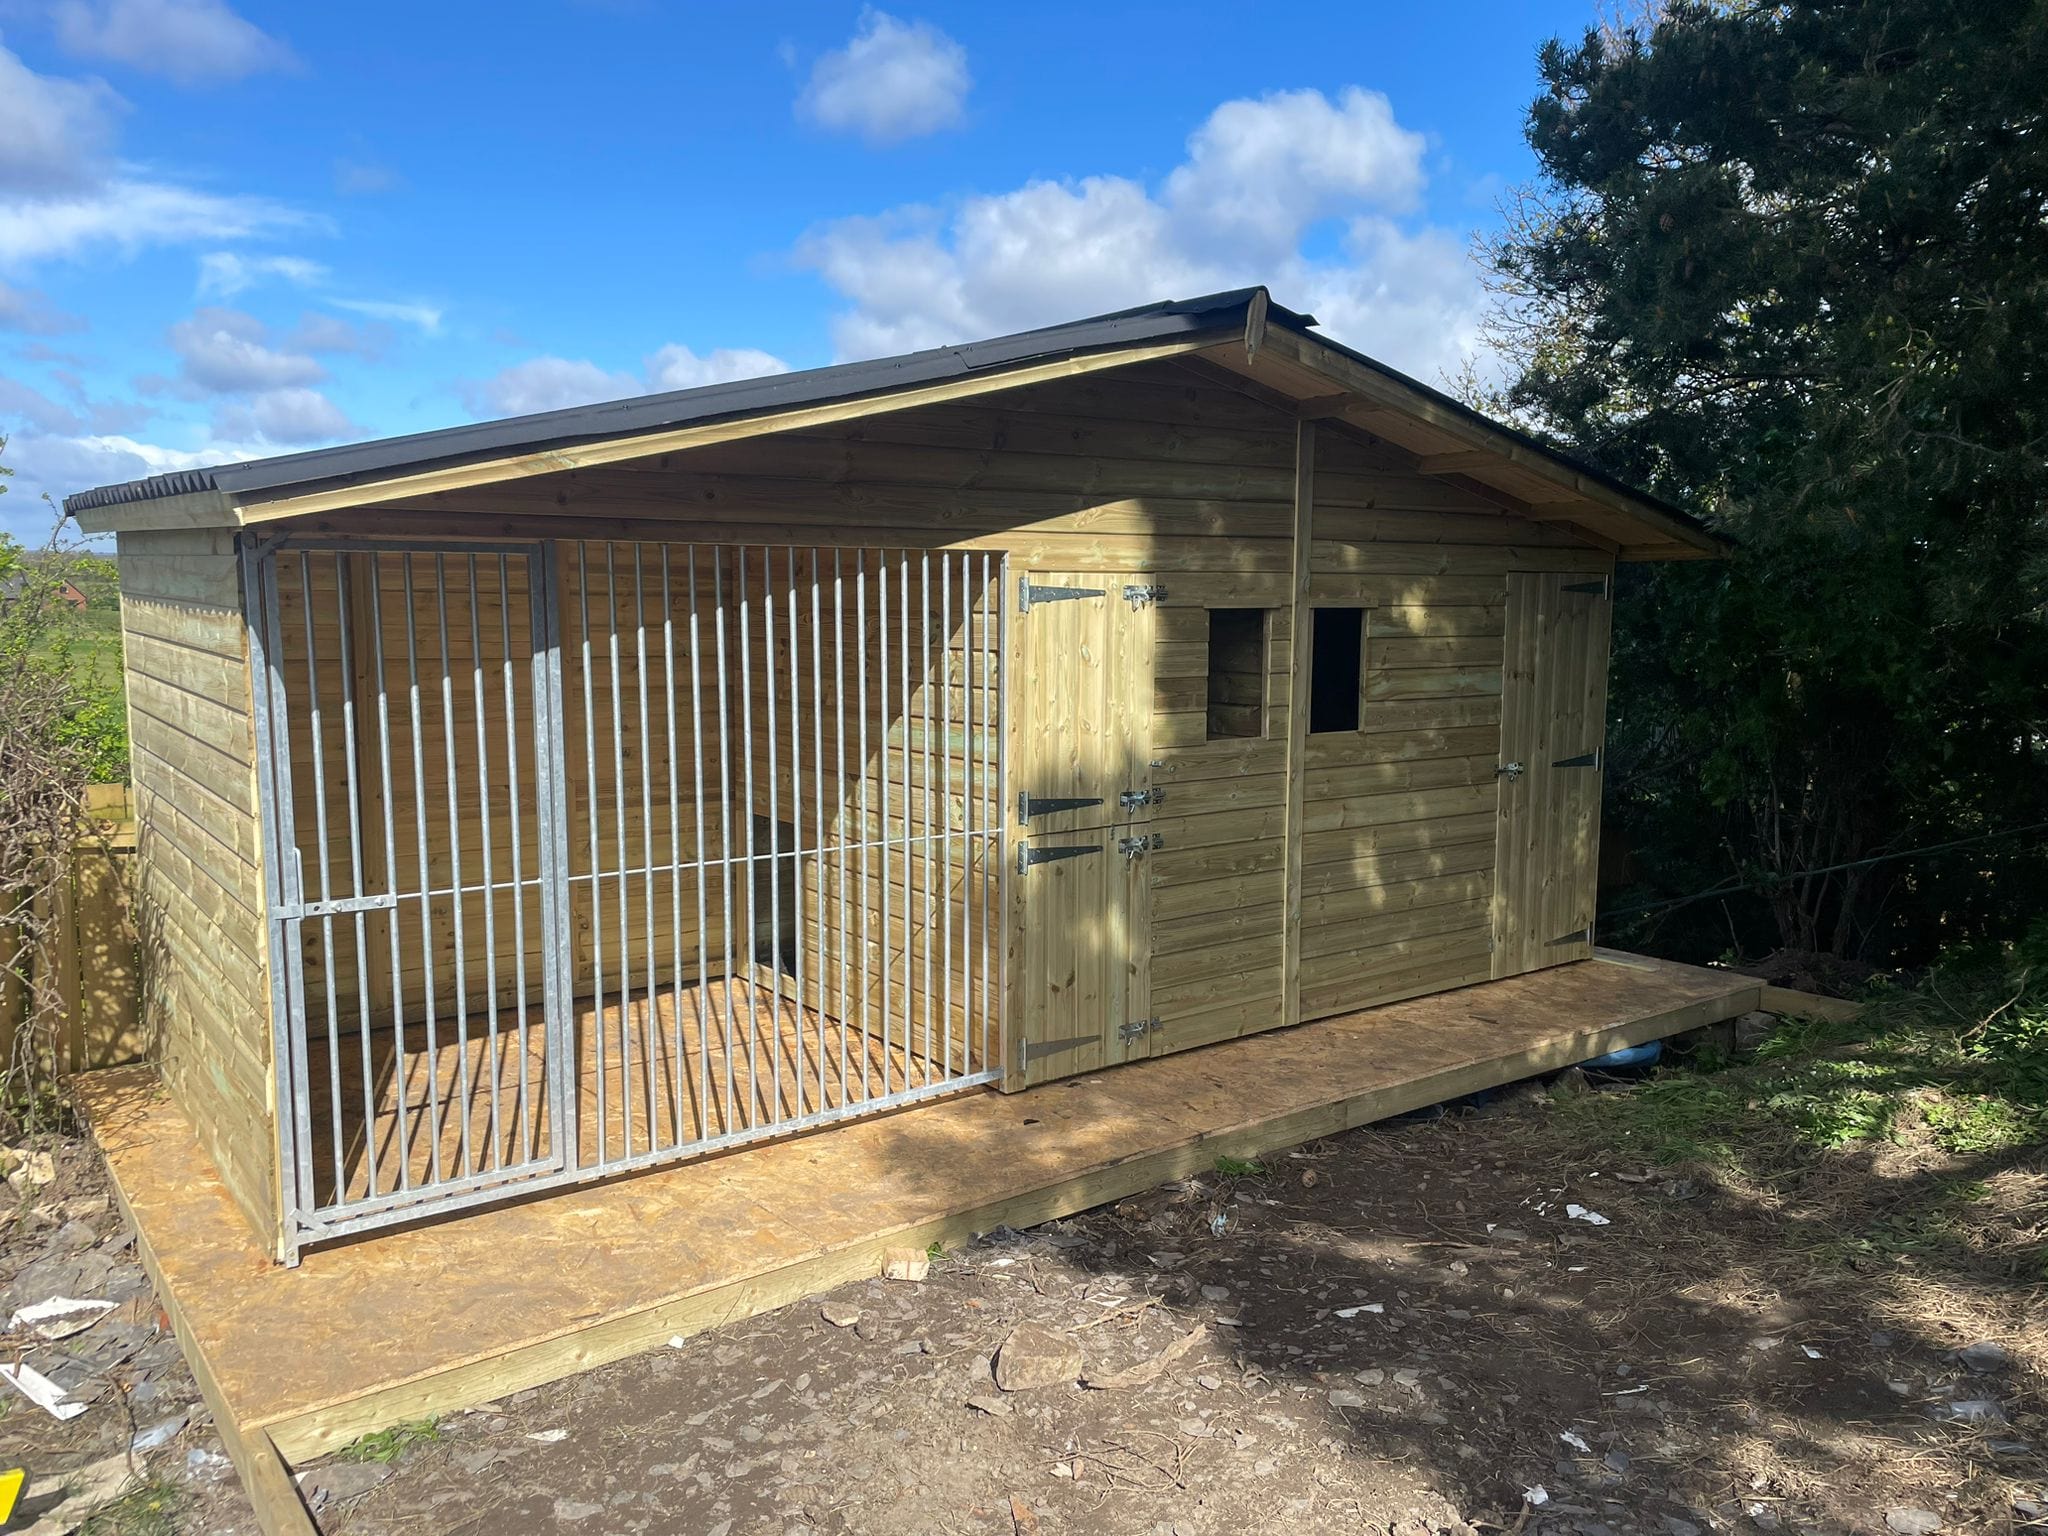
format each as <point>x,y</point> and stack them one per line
<point>1237,672</point>
<point>1336,662</point>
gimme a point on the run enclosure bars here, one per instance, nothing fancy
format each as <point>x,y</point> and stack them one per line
<point>597,855</point>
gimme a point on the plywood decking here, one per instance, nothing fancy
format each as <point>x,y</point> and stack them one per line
<point>640,1067</point>
<point>435,1318</point>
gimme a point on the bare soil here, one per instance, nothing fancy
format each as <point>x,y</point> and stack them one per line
<point>1405,1330</point>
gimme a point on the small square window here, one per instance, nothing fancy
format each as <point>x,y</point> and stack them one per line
<point>1237,673</point>
<point>1336,670</point>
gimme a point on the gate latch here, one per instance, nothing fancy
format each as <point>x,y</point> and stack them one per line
<point>1134,847</point>
<point>1028,855</point>
<point>1139,596</point>
<point>1027,594</point>
<point>1131,799</point>
<point>1137,1029</point>
<point>1510,771</point>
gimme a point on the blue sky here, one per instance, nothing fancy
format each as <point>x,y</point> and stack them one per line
<point>235,230</point>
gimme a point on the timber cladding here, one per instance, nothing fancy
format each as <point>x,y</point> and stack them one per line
<point>201,901</point>
<point>1247,719</point>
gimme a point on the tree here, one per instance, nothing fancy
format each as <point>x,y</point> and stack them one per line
<point>1787,264</point>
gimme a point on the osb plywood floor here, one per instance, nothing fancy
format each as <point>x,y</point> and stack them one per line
<point>688,1057</point>
<point>450,1314</point>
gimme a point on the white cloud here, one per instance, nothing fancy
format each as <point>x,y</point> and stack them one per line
<point>552,383</point>
<point>1259,172</point>
<point>130,215</point>
<point>223,274</point>
<point>224,351</point>
<point>61,465</point>
<point>28,311</point>
<point>189,41</point>
<point>545,384</point>
<point>364,178</point>
<point>1259,179</point>
<point>893,80</point>
<point>677,367</point>
<point>54,134</point>
<point>316,332</point>
<point>289,418</point>
<point>423,317</point>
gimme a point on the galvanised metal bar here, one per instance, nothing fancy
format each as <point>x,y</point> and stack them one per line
<point>515,815</point>
<point>402,1145</point>
<point>860,599</point>
<point>753,950</point>
<point>819,920</point>
<point>768,671</point>
<point>724,826</point>
<point>597,1022</point>
<point>344,586</point>
<point>946,794</point>
<point>419,808</point>
<point>461,965</point>
<point>925,797</point>
<point>882,753</point>
<point>485,832</point>
<point>703,987</point>
<point>315,723</point>
<point>841,967</point>
<point>273,797</point>
<point>908,1020</point>
<point>650,1054</point>
<point>677,1058</point>
<point>618,788</point>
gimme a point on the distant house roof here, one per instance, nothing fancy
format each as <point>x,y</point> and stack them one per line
<point>347,474</point>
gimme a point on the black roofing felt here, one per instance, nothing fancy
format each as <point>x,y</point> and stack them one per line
<point>1218,314</point>
<point>610,419</point>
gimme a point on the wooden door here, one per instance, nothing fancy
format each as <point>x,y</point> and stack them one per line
<point>1081,786</point>
<point>1085,717</point>
<point>1552,737</point>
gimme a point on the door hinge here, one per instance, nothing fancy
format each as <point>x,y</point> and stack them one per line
<point>1028,855</point>
<point>1139,596</point>
<point>1131,799</point>
<point>1576,936</point>
<point>1583,760</point>
<point>1027,594</point>
<point>1030,805</point>
<point>1132,847</point>
<point>1595,588</point>
<point>1137,1029</point>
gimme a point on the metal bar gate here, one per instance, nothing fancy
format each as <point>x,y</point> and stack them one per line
<point>588,856</point>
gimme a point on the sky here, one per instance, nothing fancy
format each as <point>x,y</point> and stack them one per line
<point>233,231</point>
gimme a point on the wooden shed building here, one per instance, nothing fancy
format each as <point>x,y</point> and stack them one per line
<point>536,800</point>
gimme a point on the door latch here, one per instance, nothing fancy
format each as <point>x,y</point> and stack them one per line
<point>1510,771</point>
<point>1137,1029</point>
<point>1135,847</point>
<point>1131,799</point>
<point>1139,596</point>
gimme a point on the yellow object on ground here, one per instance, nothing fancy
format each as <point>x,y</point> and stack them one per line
<point>10,1491</point>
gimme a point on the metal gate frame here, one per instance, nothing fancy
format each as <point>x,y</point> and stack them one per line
<point>304,1219</point>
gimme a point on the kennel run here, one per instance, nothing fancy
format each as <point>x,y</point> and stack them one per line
<point>534,801</point>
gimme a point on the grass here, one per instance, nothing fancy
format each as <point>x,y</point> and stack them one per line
<point>388,1445</point>
<point>1946,1080</point>
<point>150,1510</point>
<point>1239,1167</point>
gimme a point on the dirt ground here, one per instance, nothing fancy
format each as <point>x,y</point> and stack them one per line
<point>144,1428</point>
<point>1416,1328</point>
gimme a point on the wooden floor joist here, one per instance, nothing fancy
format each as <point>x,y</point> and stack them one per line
<point>430,1320</point>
